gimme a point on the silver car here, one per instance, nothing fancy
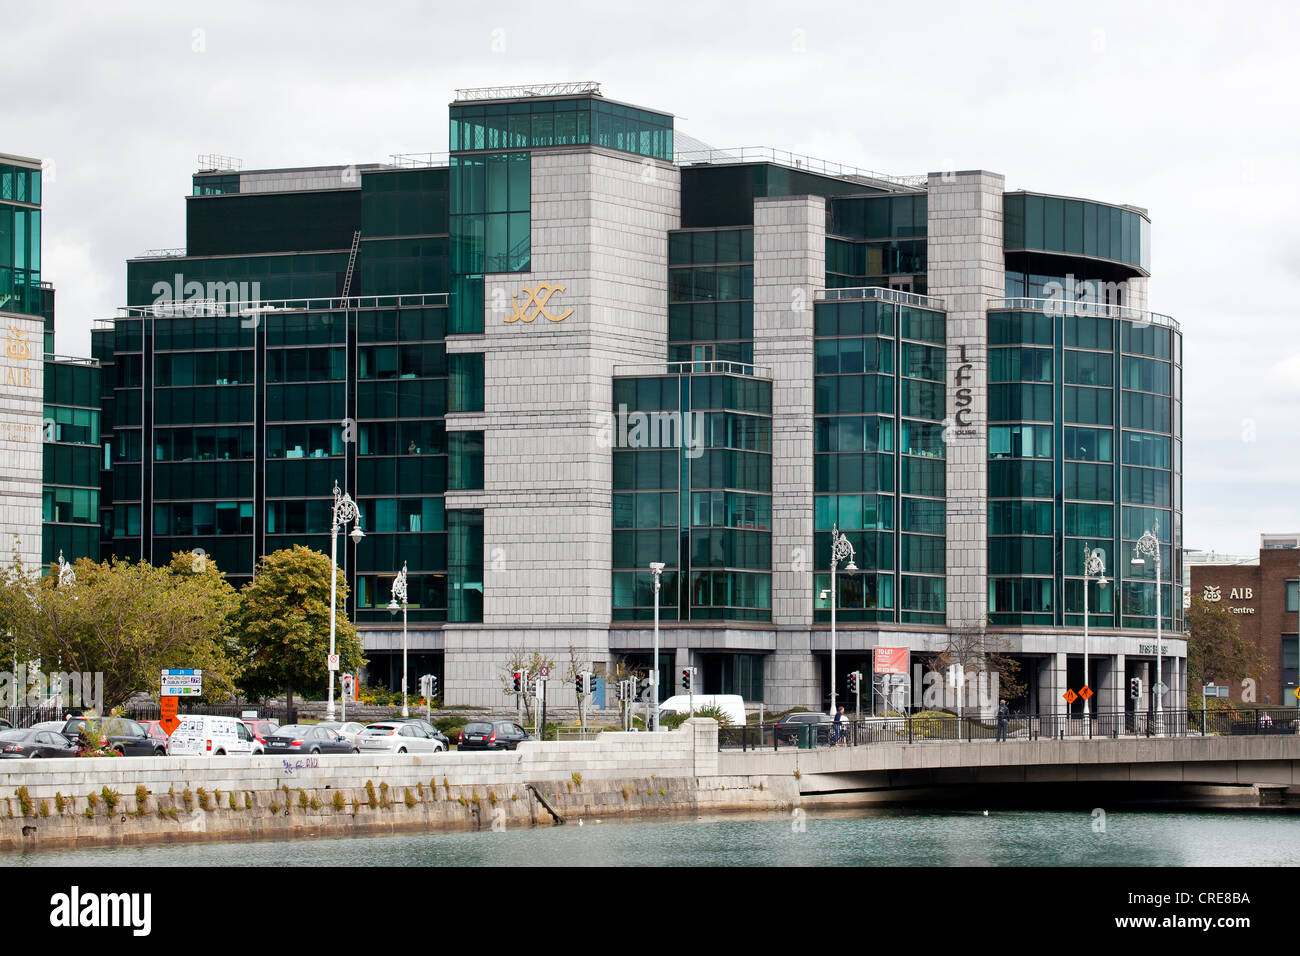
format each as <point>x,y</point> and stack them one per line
<point>349,729</point>
<point>396,737</point>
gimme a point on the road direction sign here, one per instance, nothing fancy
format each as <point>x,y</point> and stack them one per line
<point>1085,692</point>
<point>182,683</point>
<point>1070,696</point>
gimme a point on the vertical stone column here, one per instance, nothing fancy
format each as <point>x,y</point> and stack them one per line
<point>789,273</point>
<point>22,384</point>
<point>966,269</point>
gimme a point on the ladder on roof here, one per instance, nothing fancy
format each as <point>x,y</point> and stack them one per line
<point>352,262</point>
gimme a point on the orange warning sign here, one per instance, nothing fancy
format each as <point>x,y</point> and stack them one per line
<point>1085,692</point>
<point>1070,696</point>
<point>169,721</point>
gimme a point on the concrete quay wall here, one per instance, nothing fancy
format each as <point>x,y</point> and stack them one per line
<point>119,801</point>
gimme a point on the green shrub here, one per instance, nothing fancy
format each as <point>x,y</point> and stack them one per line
<point>303,800</point>
<point>234,805</point>
<point>338,800</point>
<point>111,798</point>
<point>383,796</point>
<point>373,798</point>
<point>141,798</point>
<point>24,801</point>
<point>188,797</point>
<point>59,803</point>
<point>410,798</point>
<point>45,808</point>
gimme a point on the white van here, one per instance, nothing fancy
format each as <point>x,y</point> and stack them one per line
<point>202,736</point>
<point>733,705</point>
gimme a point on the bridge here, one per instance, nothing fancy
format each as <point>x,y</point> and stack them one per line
<point>1270,762</point>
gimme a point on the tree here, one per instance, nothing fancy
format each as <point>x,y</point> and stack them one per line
<point>282,623</point>
<point>976,651</point>
<point>129,621</point>
<point>19,618</point>
<point>524,660</point>
<point>1216,653</point>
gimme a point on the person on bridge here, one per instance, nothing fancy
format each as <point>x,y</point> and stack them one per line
<point>1004,714</point>
<point>839,725</point>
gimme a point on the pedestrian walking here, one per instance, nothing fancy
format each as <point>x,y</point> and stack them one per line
<point>1004,714</point>
<point>838,729</point>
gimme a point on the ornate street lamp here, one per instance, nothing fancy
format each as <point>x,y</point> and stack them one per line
<point>840,551</point>
<point>345,512</point>
<point>399,591</point>
<point>657,569</point>
<point>1094,564</point>
<point>1149,544</point>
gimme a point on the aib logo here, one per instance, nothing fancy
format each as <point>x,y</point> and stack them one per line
<point>17,347</point>
<point>538,297</point>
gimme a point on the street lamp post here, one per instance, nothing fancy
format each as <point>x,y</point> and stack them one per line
<point>399,591</point>
<point>345,512</point>
<point>840,550</point>
<point>67,578</point>
<point>657,569</point>
<point>1149,544</point>
<point>1094,563</point>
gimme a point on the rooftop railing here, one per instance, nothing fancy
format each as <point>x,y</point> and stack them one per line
<point>1107,310</point>
<point>72,360</point>
<point>162,253</point>
<point>198,307</point>
<point>781,157</point>
<point>419,160</point>
<point>714,367</point>
<point>881,294</point>
<point>534,89</point>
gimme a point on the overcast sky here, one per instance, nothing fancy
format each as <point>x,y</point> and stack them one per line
<point>1186,109</point>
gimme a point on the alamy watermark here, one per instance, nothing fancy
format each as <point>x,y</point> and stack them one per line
<point>662,429</point>
<point>34,688</point>
<point>177,296</point>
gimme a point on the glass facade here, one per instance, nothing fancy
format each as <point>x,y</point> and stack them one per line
<point>1084,451</point>
<point>878,467</point>
<point>72,459</point>
<point>20,240</point>
<point>543,121</point>
<point>1077,227</point>
<point>711,295</point>
<point>692,462</point>
<point>877,241</point>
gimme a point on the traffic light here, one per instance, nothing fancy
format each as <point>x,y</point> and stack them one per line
<point>853,682</point>
<point>579,684</point>
<point>1135,688</point>
<point>433,687</point>
<point>686,679</point>
<point>519,681</point>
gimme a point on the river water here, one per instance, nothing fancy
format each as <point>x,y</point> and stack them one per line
<point>817,837</point>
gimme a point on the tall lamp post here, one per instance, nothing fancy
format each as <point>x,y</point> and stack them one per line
<point>1149,544</point>
<point>1094,563</point>
<point>840,550</point>
<point>67,578</point>
<point>657,569</point>
<point>345,512</point>
<point>399,591</point>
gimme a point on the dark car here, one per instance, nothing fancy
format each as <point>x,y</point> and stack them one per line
<point>127,737</point>
<point>788,729</point>
<point>492,735</point>
<point>308,739</point>
<point>31,742</point>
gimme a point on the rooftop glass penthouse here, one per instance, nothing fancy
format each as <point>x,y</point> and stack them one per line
<point>566,351</point>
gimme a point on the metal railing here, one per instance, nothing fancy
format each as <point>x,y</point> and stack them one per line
<point>1106,310</point>
<point>781,157</point>
<point>223,308</point>
<point>709,367</point>
<point>921,728</point>
<point>419,160</point>
<point>896,296</point>
<point>532,89</point>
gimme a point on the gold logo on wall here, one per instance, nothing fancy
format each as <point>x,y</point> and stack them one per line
<point>17,347</point>
<point>538,297</point>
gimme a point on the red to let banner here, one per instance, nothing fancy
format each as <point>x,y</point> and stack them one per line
<point>890,660</point>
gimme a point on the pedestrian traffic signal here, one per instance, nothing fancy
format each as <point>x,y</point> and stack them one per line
<point>686,679</point>
<point>1135,688</point>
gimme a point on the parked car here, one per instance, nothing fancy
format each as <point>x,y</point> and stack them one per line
<point>125,736</point>
<point>492,735</point>
<point>261,729</point>
<point>31,743</point>
<point>349,730</point>
<point>5,725</point>
<point>200,735</point>
<point>309,739</point>
<point>787,729</point>
<point>431,730</point>
<point>400,737</point>
<point>154,729</point>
